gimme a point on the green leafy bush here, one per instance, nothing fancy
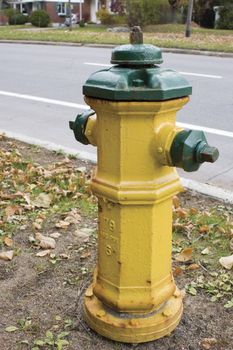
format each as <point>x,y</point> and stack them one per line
<point>18,18</point>
<point>10,12</point>
<point>15,17</point>
<point>108,18</point>
<point>82,23</point>
<point>144,12</point>
<point>40,18</point>
<point>226,17</point>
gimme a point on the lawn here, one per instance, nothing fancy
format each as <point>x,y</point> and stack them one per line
<point>167,36</point>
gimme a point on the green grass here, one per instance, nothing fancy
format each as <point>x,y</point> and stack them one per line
<point>180,28</point>
<point>167,36</point>
<point>204,230</point>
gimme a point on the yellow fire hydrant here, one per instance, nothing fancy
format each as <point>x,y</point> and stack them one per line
<point>133,297</point>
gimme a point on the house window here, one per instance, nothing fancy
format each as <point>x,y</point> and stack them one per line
<point>61,9</point>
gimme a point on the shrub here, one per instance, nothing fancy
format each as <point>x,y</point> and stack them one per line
<point>18,18</point>
<point>226,17</point>
<point>10,12</point>
<point>15,17</point>
<point>82,23</point>
<point>108,18</point>
<point>104,16</point>
<point>40,18</point>
<point>144,12</point>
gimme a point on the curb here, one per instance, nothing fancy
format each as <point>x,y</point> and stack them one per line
<point>167,50</point>
<point>206,189</point>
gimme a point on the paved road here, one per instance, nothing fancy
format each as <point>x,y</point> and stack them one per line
<point>57,73</point>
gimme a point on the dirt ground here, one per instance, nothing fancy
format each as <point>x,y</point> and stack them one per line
<point>41,294</point>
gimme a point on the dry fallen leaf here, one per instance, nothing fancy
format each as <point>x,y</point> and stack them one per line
<point>176,202</point>
<point>73,218</point>
<point>36,226</point>
<point>64,256</point>
<point>45,241</point>
<point>178,271</point>
<point>207,343</point>
<point>85,255</point>
<point>81,169</point>
<point>62,224</point>
<point>10,329</point>
<point>226,262</point>
<point>7,255</point>
<point>181,213</point>
<point>193,267</point>
<point>55,235</point>
<point>204,229</point>
<point>193,211</point>
<point>8,241</point>
<point>43,200</point>
<point>184,255</point>
<point>43,253</point>
<point>12,210</point>
<point>179,226</point>
<point>205,251</point>
<point>83,233</point>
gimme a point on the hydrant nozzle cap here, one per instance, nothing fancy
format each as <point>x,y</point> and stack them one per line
<point>190,149</point>
<point>136,53</point>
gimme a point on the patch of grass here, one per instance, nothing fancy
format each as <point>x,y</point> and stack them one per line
<point>88,208</point>
<point>201,238</point>
<point>180,28</point>
<point>167,36</point>
<point>209,230</point>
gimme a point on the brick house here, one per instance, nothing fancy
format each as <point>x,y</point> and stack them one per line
<point>58,10</point>
<point>3,17</point>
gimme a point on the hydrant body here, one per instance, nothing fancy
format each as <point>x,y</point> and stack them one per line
<point>133,297</point>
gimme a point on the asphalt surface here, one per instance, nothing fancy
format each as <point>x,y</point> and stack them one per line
<point>57,72</point>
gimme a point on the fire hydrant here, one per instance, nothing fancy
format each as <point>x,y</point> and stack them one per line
<point>133,297</point>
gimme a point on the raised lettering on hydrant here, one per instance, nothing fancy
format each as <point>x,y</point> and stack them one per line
<point>132,119</point>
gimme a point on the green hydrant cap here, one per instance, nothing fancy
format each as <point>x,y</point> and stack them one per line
<point>136,75</point>
<point>137,53</point>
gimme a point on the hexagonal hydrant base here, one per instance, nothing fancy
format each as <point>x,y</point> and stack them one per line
<point>133,328</point>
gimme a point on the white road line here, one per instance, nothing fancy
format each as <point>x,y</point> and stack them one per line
<point>202,75</point>
<point>206,189</point>
<point>85,107</point>
<point>98,64</point>
<point>184,73</point>
<point>205,129</point>
<point>44,100</point>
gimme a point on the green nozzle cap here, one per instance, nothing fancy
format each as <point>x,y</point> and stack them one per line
<point>79,125</point>
<point>190,149</point>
